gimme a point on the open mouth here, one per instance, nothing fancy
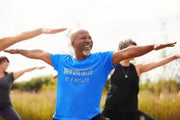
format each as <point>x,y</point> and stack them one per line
<point>87,47</point>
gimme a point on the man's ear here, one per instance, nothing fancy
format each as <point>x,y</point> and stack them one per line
<point>72,42</point>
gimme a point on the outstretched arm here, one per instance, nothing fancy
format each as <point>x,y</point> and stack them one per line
<point>8,41</point>
<point>34,54</point>
<point>21,72</point>
<point>136,51</point>
<point>147,67</point>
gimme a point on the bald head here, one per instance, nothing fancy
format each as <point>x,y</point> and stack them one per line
<point>77,33</point>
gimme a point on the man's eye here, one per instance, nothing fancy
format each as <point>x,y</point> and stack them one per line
<point>83,38</point>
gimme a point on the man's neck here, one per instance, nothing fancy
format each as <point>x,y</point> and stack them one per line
<point>125,62</point>
<point>79,58</point>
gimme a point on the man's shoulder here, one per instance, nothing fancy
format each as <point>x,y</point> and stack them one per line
<point>60,56</point>
<point>103,52</point>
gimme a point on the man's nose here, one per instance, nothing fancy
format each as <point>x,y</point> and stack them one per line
<point>88,40</point>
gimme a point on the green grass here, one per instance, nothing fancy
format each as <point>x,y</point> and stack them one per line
<point>41,105</point>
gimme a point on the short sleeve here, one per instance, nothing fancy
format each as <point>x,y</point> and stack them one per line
<point>107,61</point>
<point>54,59</point>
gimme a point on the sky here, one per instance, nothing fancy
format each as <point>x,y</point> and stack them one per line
<point>108,22</point>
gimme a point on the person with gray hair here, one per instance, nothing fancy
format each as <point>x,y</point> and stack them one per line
<point>122,96</point>
<point>81,78</point>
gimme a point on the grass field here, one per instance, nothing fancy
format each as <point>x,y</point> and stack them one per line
<point>41,106</point>
<point>34,106</point>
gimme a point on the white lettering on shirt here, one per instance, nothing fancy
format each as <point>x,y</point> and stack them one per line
<point>77,75</point>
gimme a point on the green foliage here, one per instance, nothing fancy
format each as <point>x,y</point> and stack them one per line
<point>34,84</point>
<point>50,86</point>
<point>161,86</point>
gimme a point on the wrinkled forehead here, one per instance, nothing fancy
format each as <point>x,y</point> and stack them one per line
<point>82,31</point>
<point>79,33</point>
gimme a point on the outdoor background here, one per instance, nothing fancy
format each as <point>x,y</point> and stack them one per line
<point>108,22</point>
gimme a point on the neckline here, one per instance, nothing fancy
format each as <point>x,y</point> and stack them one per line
<point>82,59</point>
<point>124,65</point>
<point>125,73</point>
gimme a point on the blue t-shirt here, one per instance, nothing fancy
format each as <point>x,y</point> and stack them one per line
<point>80,84</point>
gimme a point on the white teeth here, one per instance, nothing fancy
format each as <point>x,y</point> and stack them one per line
<point>86,45</point>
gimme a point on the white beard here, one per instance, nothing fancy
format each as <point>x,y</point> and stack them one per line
<point>86,53</point>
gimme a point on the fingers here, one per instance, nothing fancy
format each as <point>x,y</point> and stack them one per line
<point>168,44</point>
<point>157,47</point>
<point>174,43</point>
<point>10,50</point>
<point>5,50</point>
<point>177,56</point>
<point>53,31</point>
<point>171,44</point>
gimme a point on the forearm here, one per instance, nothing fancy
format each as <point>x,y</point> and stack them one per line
<point>131,52</point>
<point>163,61</point>
<point>152,65</point>
<point>8,41</point>
<point>21,72</point>
<point>34,54</point>
<point>28,35</point>
<point>166,60</point>
<point>29,69</point>
<point>136,51</point>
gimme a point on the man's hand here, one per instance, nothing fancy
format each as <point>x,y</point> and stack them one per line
<point>53,31</point>
<point>177,56</point>
<point>11,51</point>
<point>160,46</point>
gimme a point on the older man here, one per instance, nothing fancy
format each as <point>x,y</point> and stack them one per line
<point>81,78</point>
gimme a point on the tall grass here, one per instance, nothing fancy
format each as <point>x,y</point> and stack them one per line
<point>165,106</point>
<point>34,106</point>
<point>41,105</point>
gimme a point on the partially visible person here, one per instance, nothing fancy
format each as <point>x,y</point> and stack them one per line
<point>122,97</point>
<point>6,80</point>
<point>81,78</point>
<point>8,41</point>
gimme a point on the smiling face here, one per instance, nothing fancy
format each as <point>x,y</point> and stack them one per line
<point>82,44</point>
